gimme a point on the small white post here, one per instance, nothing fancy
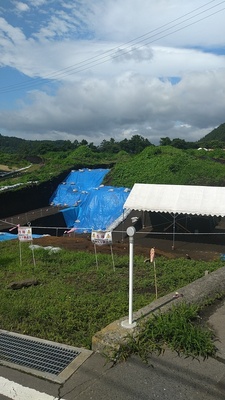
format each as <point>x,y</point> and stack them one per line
<point>129,323</point>
<point>20,253</point>
<point>113,263</point>
<point>96,258</point>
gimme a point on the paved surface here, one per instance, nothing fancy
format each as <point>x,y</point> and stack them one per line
<point>165,377</point>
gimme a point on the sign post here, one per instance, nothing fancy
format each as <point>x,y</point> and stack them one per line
<point>152,260</point>
<point>101,238</point>
<point>129,323</point>
<point>25,235</point>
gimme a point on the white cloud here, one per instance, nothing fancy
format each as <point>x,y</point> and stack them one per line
<point>22,7</point>
<point>134,53</point>
<point>124,20</point>
<point>128,103</point>
<point>113,79</point>
<point>38,3</point>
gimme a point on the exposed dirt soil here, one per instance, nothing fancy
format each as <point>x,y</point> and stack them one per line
<point>197,247</point>
<point>4,168</point>
<point>83,243</point>
<point>142,246</point>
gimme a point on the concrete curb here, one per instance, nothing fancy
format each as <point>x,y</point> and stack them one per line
<point>110,338</point>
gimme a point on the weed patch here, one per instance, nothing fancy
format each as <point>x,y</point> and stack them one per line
<point>179,329</point>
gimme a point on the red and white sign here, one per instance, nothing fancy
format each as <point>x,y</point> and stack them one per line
<point>25,233</point>
<point>100,238</point>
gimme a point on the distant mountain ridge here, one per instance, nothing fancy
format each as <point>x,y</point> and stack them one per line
<point>217,134</point>
<point>14,145</point>
<point>10,144</point>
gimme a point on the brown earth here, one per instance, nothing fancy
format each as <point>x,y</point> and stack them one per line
<point>4,168</point>
<point>198,246</point>
<point>142,244</point>
<point>83,243</point>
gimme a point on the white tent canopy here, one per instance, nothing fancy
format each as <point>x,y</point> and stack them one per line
<point>177,199</point>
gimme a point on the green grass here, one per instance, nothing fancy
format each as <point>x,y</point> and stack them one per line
<point>75,299</point>
<point>180,329</point>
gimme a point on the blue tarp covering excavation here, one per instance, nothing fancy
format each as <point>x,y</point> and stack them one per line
<point>7,236</point>
<point>77,186</point>
<point>91,205</point>
<point>11,236</point>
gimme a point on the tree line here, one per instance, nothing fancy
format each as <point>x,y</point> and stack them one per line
<point>136,144</point>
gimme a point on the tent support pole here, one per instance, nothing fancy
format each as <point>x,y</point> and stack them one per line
<point>122,228</point>
<point>174,230</point>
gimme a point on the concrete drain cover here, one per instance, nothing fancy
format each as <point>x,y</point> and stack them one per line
<point>47,358</point>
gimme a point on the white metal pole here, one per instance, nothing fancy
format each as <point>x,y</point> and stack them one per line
<point>131,264</point>
<point>129,323</point>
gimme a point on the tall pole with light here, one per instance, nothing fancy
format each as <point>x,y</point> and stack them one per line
<point>129,323</point>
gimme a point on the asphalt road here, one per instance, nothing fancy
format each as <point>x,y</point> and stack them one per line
<point>165,377</point>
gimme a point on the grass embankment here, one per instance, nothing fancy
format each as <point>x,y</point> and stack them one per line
<point>180,329</point>
<point>75,299</point>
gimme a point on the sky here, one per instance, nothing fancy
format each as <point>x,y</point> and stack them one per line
<point>95,70</point>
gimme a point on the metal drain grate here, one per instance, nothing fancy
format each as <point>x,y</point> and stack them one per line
<point>34,354</point>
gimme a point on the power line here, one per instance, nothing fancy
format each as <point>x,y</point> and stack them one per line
<point>102,59</point>
<point>124,52</point>
<point>116,52</point>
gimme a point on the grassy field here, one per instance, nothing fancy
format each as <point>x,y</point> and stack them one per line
<point>74,299</point>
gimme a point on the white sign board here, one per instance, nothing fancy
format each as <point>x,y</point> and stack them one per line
<point>25,233</point>
<point>100,237</point>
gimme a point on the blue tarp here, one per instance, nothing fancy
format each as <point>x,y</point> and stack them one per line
<point>77,186</point>
<point>11,236</point>
<point>91,205</point>
<point>7,236</point>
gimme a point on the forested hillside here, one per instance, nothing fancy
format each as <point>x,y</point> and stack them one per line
<point>215,138</point>
<point>131,160</point>
<point>167,165</point>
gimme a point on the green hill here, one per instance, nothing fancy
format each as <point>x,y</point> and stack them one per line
<point>215,137</point>
<point>167,165</point>
<point>143,163</point>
